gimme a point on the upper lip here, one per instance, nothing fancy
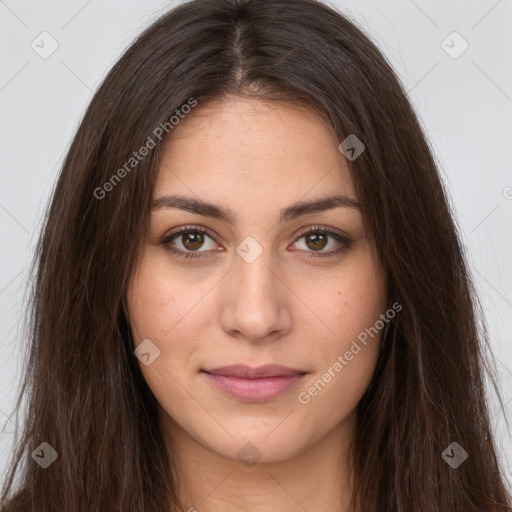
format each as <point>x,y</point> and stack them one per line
<point>244,371</point>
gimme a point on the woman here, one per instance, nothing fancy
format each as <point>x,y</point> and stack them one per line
<point>250,292</point>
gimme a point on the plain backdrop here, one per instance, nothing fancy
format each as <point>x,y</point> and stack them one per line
<point>459,83</point>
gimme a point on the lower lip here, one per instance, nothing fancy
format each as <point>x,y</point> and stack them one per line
<point>254,390</point>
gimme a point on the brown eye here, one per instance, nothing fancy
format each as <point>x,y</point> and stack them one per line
<point>192,240</point>
<point>189,242</point>
<point>317,240</point>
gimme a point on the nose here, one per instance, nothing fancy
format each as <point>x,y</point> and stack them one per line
<point>255,299</point>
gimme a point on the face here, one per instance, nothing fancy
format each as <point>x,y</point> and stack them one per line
<point>256,286</point>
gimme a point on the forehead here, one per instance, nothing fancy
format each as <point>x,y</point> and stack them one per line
<point>253,149</point>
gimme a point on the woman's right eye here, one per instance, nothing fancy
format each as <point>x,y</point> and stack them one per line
<point>191,240</point>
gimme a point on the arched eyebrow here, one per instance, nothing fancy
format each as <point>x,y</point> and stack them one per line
<point>293,211</point>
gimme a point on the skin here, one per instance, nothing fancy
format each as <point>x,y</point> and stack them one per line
<point>302,312</point>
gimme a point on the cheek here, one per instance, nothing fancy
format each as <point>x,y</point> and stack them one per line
<point>349,301</point>
<point>153,309</point>
<point>344,371</point>
<point>351,306</point>
<point>159,308</point>
<point>159,301</point>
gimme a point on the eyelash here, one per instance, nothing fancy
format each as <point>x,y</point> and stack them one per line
<point>345,241</point>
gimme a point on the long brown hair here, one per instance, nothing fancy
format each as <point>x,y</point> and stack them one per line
<point>86,395</point>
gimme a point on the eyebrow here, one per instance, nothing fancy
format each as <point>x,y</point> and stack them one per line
<point>291,212</point>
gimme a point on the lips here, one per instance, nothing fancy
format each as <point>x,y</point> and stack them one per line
<point>246,372</point>
<point>254,384</point>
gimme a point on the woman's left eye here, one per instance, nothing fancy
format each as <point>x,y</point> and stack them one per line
<point>317,238</point>
<point>192,239</point>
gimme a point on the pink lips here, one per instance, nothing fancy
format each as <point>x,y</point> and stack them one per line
<point>254,384</point>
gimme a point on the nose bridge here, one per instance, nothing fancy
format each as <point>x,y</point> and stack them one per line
<point>252,270</point>
<point>252,266</point>
<point>255,303</point>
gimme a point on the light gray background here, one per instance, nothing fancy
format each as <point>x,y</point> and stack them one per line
<point>465,104</point>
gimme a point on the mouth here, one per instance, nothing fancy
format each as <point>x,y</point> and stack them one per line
<point>254,384</point>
